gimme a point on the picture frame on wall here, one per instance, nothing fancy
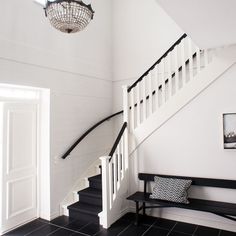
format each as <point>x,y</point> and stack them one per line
<point>229,126</point>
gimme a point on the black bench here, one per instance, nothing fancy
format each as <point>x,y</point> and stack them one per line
<point>224,209</point>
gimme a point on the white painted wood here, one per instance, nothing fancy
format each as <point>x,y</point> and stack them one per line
<point>156,85</point>
<point>183,60</point>
<point>150,100</point>
<point>132,117</point>
<point>162,80</point>
<point>125,103</point>
<point>119,165</point>
<point>106,189</point>
<point>19,163</point>
<point>190,56</point>
<point>110,181</point>
<point>176,62</point>
<point>169,59</point>
<point>144,99</point>
<point>225,60</point>
<point>138,103</point>
<point>122,158</point>
<point>198,59</point>
<point>114,161</point>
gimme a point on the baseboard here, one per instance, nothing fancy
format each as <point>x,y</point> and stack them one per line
<point>54,215</point>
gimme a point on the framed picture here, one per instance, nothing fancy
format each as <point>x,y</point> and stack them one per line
<point>229,123</point>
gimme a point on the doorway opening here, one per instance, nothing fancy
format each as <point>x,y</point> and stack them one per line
<point>24,155</point>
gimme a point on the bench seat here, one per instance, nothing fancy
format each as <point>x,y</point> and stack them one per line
<point>219,208</point>
<point>224,209</point>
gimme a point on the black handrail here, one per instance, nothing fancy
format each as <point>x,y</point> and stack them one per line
<point>67,153</point>
<point>166,81</point>
<point>158,61</point>
<point>124,126</point>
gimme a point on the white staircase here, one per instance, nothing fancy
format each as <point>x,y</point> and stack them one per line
<point>173,81</point>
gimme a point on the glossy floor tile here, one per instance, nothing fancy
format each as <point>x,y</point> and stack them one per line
<point>149,226</point>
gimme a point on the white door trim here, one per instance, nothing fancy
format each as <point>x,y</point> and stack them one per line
<point>43,151</point>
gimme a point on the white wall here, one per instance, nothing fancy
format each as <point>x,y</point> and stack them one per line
<point>142,32</point>
<point>210,23</point>
<point>77,70</point>
<point>191,144</point>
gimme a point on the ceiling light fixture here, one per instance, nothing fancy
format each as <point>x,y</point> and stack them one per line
<point>69,16</point>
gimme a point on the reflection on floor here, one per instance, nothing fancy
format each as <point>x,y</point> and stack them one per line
<point>65,226</point>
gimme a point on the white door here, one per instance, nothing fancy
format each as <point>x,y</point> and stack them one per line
<point>18,163</point>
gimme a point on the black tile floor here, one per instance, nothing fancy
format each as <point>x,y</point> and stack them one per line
<point>149,226</point>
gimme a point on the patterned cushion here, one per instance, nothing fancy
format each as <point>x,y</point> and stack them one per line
<point>173,190</point>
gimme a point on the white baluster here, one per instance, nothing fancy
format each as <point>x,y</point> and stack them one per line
<point>114,158</point>
<point>122,158</point>
<point>183,60</point>
<point>156,87</point>
<point>144,99</point>
<point>198,59</point>
<point>169,75</point>
<point>119,166</point>
<point>138,103</point>
<point>190,56</point>
<point>176,60</point>
<point>162,76</point>
<point>110,193</point>
<point>150,93</point>
<point>132,118</point>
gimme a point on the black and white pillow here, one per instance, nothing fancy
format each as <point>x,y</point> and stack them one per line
<point>169,189</point>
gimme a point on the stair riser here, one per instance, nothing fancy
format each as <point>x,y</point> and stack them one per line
<point>95,184</point>
<point>87,217</point>
<point>90,200</point>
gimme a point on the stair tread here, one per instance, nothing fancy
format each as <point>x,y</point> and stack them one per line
<point>86,208</point>
<point>92,192</point>
<point>97,178</point>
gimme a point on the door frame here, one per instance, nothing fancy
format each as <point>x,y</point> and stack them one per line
<point>43,147</point>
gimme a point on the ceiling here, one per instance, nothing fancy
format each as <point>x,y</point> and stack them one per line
<point>210,23</point>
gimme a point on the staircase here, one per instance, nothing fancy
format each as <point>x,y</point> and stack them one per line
<point>90,201</point>
<point>167,86</point>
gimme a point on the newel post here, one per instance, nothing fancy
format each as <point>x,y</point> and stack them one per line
<point>104,218</point>
<point>126,119</point>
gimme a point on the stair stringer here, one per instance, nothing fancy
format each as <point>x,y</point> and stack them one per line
<point>221,62</point>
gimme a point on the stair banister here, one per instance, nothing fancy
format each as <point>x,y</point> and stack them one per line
<point>115,173</point>
<point>157,62</point>
<point>73,146</point>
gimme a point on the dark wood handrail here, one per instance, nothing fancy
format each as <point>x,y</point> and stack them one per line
<point>157,62</point>
<point>67,153</point>
<point>124,126</point>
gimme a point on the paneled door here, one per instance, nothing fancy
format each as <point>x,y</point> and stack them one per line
<point>18,163</point>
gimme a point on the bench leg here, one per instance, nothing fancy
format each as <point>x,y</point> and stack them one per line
<point>144,208</point>
<point>136,215</point>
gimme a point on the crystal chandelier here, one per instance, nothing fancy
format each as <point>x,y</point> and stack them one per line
<point>69,16</point>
